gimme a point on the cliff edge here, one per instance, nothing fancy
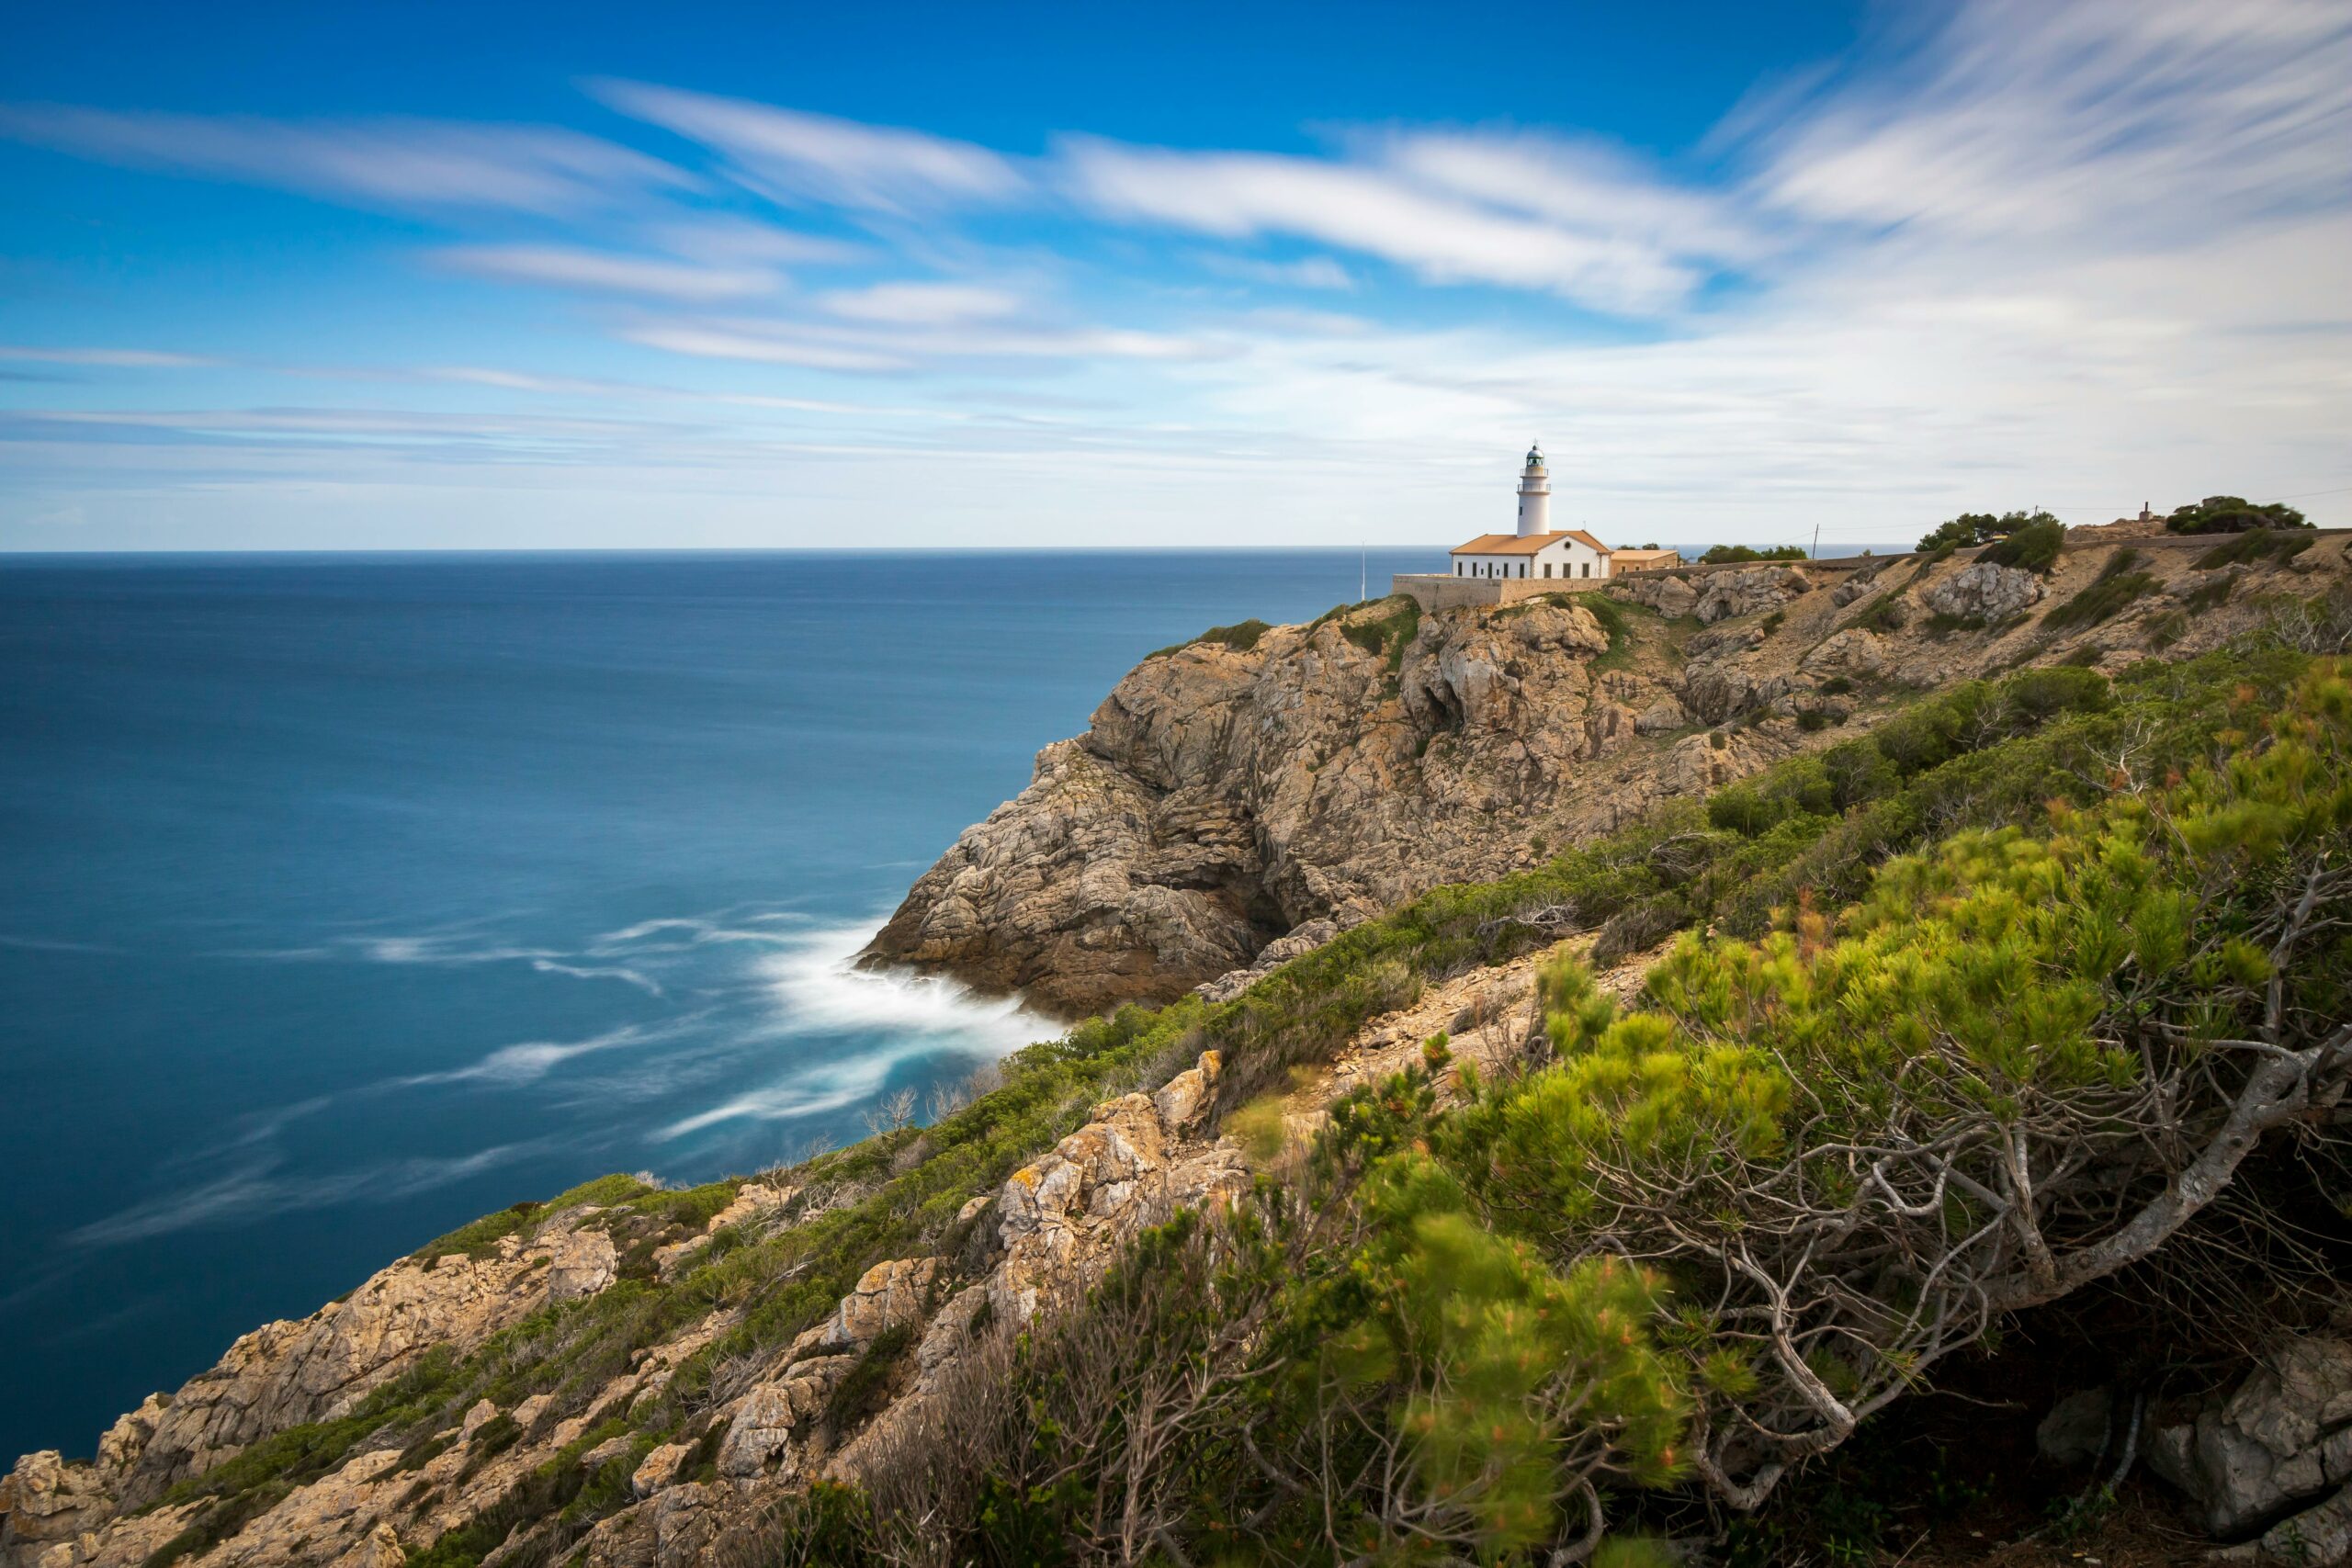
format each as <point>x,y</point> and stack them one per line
<point>1248,794</point>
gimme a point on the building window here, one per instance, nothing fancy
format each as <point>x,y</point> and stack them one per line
<point>1585,570</point>
<point>1457,568</point>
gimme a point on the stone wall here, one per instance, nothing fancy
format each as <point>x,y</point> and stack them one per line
<point>1441,590</point>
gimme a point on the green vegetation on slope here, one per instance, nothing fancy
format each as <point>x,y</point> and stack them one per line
<point>2034,546</point>
<point>1241,637</point>
<point>2118,583</point>
<point>1682,1249</point>
<point>1985,754</point>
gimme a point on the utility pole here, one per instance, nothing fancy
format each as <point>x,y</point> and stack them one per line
<point>1363,573</point>
<point>1814,554</point>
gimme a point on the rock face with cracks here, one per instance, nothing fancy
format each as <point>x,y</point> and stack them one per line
<point>1224,800</point>
<point>2277,1448</point>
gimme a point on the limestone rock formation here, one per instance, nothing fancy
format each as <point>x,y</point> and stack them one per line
<point>1756,590</point>
<point>754,1201</point>
<point>1983,591</point>
<point>2282,1439</point>
<point>1223,800</point>
<point>283,1375</point>
<point>1305,938</point>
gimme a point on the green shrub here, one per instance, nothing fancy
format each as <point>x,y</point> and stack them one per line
<point>2253,547</point>
<point>1884,614</point>
<point>480,1238</point>
<point>1733,555</point>
<point>2033,546</point>
<point>1241,637</point>
<point>2230,514</point>
<point>1980,528</point>
<point>2213,595</point>
<point>2109,595</point>
<point>1388,635</point>
<point>865,1387</point>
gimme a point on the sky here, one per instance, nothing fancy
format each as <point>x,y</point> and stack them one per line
<point>793,276</point>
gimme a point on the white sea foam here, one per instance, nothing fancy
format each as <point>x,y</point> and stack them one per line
<point>443,949</point>
<point>532,1059</point>
<point>681,933</point>
<point>645,983</point>
<point>816,990</point>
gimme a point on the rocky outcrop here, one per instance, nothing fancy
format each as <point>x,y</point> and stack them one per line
<point>1225,800</point>
<point>1712,693</point>
<point>1672,597</point>
<point>755,1202</point>
<point>1306,938</point>
<point>1717,594</point>
<point>1853,651</point>
<point>284,1375</point>
<point>1983,591</point>
<point>2277,1448</point>
<point>1754,591</point>
<point>1065,1215</point>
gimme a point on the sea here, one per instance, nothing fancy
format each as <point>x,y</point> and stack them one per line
<point>347,897</point>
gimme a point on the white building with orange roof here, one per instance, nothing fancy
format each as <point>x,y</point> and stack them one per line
<point>1537,551</point>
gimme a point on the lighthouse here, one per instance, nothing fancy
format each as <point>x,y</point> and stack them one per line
<point>1535,496</point>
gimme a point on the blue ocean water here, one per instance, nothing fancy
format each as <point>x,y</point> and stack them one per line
<point>344,899</point>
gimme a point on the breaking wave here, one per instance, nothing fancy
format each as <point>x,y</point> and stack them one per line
<point>890,1018</point>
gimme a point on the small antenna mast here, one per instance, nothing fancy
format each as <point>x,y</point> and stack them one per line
<point>1363,573</point>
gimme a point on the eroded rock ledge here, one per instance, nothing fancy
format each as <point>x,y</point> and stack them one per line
<point>1221,798</point>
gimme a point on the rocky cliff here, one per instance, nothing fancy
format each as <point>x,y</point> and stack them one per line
<point>1237,794</point>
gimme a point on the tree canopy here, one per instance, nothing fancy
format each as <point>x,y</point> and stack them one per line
<point>1982,528</point>
<point>2232,514</point>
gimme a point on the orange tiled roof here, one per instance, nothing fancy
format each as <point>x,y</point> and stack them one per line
<point>1525,544</point>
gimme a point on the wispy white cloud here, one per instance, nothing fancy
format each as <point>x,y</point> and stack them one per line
<point>2159,119</point>
<point>737,242</point>
<point>922,304</point>
<point>564,266</point>
<point>1436,234</point>
<point>912,344</point>
<point>796,156</point>
<point>1305,272</point>
<point>108,358</point>
<point>404,163</point>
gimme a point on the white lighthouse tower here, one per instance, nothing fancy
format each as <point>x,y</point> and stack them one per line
<point>1535,496</point>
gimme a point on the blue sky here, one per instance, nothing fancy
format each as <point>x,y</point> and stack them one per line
<point>435,276</point>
